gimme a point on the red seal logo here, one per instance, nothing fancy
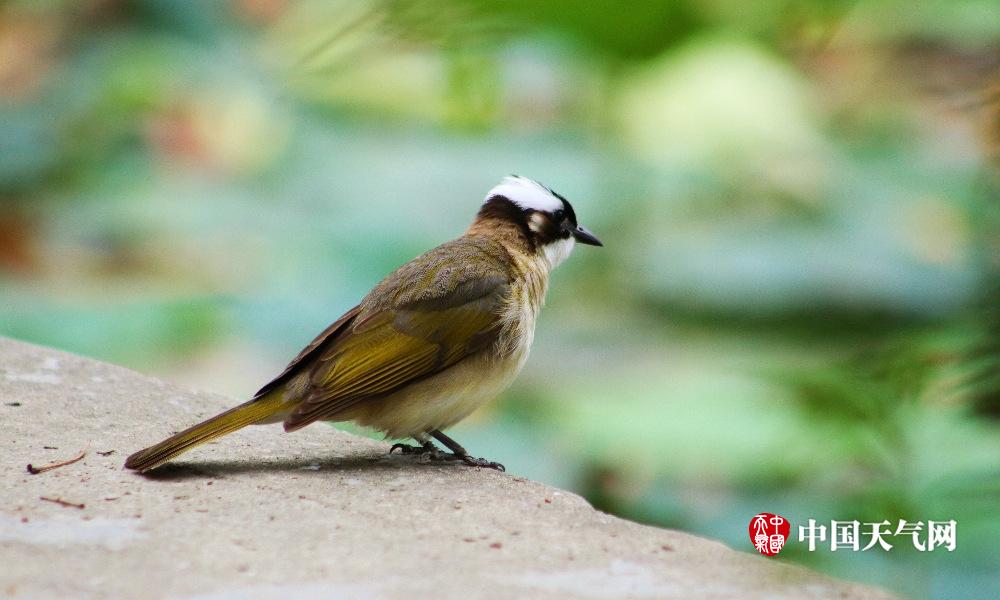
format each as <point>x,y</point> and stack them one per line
<point>768,533</point>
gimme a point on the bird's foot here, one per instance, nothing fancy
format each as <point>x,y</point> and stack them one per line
<point>408,449</point>
<point>463,455</point>
<point>480,462</point>
<point>428,452</point>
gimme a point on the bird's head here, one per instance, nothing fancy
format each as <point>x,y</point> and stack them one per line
<point>545,219</point>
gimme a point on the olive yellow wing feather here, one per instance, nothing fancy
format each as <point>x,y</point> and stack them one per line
<point>389,347</point>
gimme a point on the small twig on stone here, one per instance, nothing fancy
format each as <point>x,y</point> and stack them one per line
<point>55,465</point>
<point>62,502</point>
<point>108,453</point>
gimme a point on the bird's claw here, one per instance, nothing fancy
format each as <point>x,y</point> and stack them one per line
<point>427,452</point>
<point>482,462</point>
<point>430,453</point>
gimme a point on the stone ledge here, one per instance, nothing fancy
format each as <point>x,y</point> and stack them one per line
<point>317,514</point>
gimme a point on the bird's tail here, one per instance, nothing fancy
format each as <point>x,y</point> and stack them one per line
<point>249,413</point>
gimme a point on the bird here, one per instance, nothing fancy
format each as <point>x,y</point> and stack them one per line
<point>436,339</point>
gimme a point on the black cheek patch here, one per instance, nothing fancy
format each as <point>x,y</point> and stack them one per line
<point>551,231</point>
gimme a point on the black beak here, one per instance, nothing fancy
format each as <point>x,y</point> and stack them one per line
<point>585,237</point>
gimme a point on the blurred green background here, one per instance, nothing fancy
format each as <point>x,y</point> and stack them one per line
<point>797,309</point>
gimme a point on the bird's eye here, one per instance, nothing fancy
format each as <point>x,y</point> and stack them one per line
<point>559,215</point>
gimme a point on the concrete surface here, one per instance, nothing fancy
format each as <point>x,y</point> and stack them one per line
<point>317,514</point>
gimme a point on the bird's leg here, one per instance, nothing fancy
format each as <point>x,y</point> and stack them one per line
<point>460,453</point>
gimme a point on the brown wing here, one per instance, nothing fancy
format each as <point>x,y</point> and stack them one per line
<point>389,348</point>
<point>307,353</point>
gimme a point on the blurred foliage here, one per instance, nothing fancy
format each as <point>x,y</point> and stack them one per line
<point>797,309</point>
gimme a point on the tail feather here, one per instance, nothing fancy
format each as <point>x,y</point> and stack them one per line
<point>249,413</point>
